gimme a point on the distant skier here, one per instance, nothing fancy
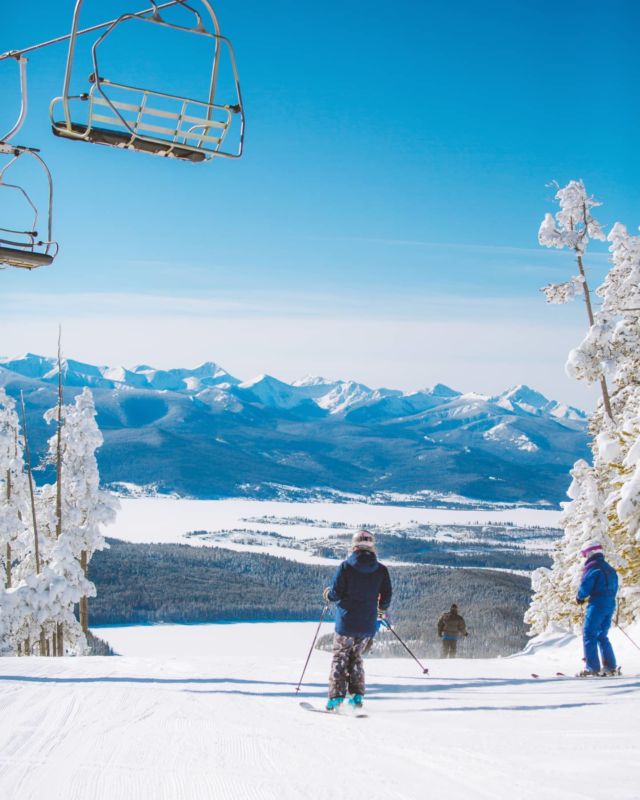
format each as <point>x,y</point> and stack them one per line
<point>451,627</point>
<point>361,590</point>
<point>600,584</point>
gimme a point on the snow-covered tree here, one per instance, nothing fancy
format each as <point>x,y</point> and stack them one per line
<point>74,508</point>
<point>572,228</point>
<point>605,497</point>
<point>37,609</point>
<point>14,503</point>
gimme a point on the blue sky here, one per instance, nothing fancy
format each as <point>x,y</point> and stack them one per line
<point>382,223</point>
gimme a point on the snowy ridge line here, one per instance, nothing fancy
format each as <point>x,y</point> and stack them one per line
<point>334,396</point>
<point>511,450</point>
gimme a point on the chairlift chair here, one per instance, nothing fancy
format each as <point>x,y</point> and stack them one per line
<point>24,248</point>
<point>148,120</point>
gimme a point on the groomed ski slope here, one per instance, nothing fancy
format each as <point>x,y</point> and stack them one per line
<point>209,711</point>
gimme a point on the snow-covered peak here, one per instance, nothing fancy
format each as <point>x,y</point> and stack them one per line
<point>523,398</point>
<point>441,390</point>
<point>347,395</point>
<point>563,411</point>
<point>330,396</point>
<point>29,364</point>
<point>312,380</point>
<point>272,392</point>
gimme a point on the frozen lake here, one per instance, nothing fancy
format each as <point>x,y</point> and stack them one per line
<point>163,519</point>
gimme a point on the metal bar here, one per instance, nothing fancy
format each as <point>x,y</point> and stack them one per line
<point>627,635</point>
<point>49,241</point>
<point>306,663</point>
<point>66,37</point>
<point>22,62</point>
<point>157,112</point>
<point>154,92</point>
<point>425,671</point>
<point>141,126</point>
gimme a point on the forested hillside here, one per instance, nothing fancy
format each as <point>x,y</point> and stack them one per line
<point>139,583</point>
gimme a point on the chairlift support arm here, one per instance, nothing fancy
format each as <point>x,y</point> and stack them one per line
<point>17,54</point>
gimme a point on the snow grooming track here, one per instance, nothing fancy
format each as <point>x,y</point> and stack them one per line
<point>221,721</point>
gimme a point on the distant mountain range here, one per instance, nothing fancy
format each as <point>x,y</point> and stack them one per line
<point>203,433</point>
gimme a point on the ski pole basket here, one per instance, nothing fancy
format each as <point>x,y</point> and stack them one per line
<point>118,114</point>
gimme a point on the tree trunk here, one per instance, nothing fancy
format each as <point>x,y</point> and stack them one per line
<point>84,601</point>
<point>587,299</point>
<point>36,549</point>
<point>60,639</point>
<point>8,567</point>
<point>59,461</point>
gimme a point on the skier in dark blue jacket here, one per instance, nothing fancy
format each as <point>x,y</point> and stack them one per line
<point>361,590</point>
<point>600,585</point>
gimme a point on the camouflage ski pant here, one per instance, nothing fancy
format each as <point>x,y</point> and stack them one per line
<point>347,669</point>
<point>449,647</point>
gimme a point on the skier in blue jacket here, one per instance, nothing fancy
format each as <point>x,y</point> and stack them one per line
<point>361,590</point>
<point>600,585</point>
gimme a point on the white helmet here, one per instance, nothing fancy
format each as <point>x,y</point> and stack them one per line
<point>363,540</point>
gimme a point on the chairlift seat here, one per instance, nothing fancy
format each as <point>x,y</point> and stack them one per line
<point>119,139</point>
<point>186,130</point>
<point>135,118</point>
<point>27,259</point>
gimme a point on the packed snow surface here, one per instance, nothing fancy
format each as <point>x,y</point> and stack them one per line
<point>210,713</point>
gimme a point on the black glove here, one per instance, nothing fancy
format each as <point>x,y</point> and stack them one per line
<point>440,634</point>
<point>580,600</point>
<point>325,594</point>
<point>466,633</point>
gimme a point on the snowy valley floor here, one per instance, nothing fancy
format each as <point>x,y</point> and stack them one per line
<point>210,712</point>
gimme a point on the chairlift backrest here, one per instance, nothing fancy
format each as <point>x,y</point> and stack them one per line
<point>150,120</point>
<point>24,248</point>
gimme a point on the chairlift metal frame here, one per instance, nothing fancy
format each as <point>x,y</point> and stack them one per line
<point>195,131</point>
<point>190,138</point>
<point>18,248</point>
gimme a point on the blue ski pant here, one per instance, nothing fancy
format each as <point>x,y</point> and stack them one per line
<point>597,622</point>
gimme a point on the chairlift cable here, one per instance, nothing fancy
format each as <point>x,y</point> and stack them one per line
<point>18,53</point>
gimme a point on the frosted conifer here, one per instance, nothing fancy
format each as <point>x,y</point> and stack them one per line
<point>605,497</point>
<point>14,502</point>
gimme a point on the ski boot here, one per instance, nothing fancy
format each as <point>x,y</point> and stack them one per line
<point>355,701</point>
<point>334,703</point>
<point>588,673</point>
<point>610,672</point>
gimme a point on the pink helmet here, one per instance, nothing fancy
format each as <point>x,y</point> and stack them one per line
<point>590,549</point>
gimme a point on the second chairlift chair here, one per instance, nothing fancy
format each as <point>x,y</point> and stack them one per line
<point>24,248</point>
